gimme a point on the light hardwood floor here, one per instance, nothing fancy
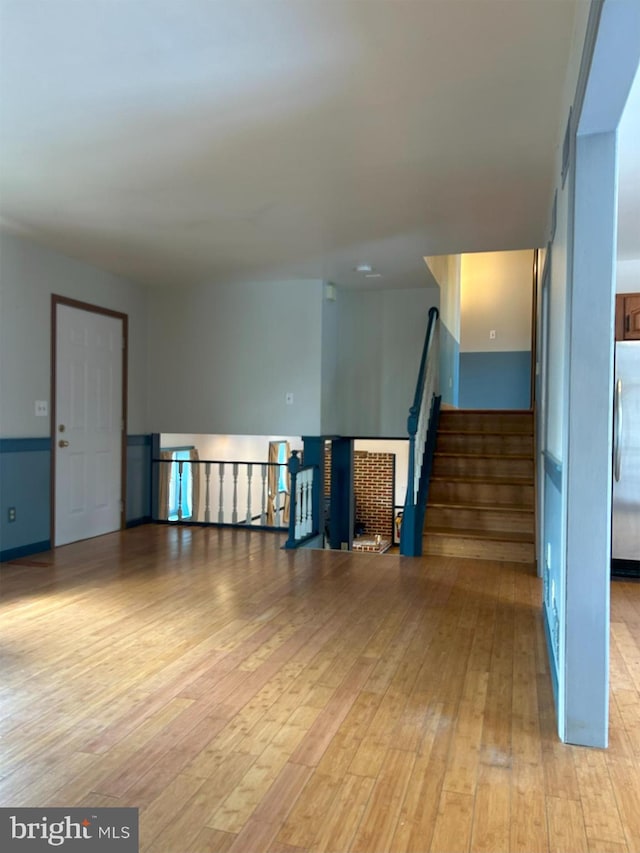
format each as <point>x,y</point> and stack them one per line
<point>249,699</point>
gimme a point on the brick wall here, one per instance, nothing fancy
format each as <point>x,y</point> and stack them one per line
<point>374,475</point>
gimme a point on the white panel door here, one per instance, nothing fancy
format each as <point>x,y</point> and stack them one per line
<point>88,429</point>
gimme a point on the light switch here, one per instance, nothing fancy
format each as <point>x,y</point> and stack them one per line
<point>288,398</point>
<point>492,335</point>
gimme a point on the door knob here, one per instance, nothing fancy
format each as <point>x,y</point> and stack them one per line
<point>63,443</point>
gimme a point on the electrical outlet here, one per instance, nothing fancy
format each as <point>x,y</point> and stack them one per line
<point>42,408</point>
<point>344,546</point>
<point>11,514</point>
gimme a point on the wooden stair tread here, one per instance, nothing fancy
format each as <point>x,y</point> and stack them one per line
<point>481,507</point>
<point>444,430</point>
<point>492,481</point>
<point>492,504</point>
<point>453,455</point>
<point>481,483</point>
<point>473,533</point>
<point>455,411</point>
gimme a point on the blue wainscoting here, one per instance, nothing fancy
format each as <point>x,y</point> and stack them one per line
<point>495,380</point>
<point>552,571</point>
<point>138,479</point>
<point>25,484</point>
<point>25,477</point>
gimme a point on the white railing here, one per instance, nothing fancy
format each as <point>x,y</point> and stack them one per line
<point>303,507</point>
<point>429,391</point>
<point>422,427</point>
<point>224,492</point>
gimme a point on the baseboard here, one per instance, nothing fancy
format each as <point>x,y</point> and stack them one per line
<point>551,657</point>
<point>25,550</point>
<point>626,569</point>
<point>136,522</point>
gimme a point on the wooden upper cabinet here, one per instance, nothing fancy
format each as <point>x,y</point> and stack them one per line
<point>628,317</point>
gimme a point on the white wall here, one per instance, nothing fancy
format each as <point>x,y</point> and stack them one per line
<point>381,335</point>
<point>330,414</point>
<point>231,448</point>
<point>223,358</point>
<point>446,271</point>
<point>29,274</point>
<point>496,294</point>
<point>235,448</point>
<point>556,387</point>
<point>628,275</point>
<point>556,360</point>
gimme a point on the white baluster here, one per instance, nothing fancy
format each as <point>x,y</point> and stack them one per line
<point>249,476</point>
<point>298,508</point>
<point>180,464</point>
<point>263,510</point>
<point>309,505</point>
<point>207,508</point>
<point>234,513</point>
<point>221,498</point>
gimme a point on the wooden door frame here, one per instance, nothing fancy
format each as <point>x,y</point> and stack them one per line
<point>56,300</point>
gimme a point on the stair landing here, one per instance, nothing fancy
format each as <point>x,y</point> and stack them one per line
<point>481,495</point>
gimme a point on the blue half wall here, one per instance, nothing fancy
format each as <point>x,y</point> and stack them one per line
<point>495,380</point>
<point>25,477</point>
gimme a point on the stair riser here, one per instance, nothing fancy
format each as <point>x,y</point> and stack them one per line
<point>489,520</point>
<point>478,549</point>
<point>504,445</point>
<point>444,491</point>
<point>486,469</point>
<point>508,422</point>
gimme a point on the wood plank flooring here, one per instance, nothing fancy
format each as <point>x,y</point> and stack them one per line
<point>253,700</point>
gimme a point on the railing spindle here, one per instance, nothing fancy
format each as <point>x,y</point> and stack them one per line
<point>249,476</point>
<point>221,497</point>
<point>207,507</point>
<point>263,509</point>
<point>234,512</point>
<point>180,464</point>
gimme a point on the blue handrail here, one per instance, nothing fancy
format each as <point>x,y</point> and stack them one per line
<point>417,398</point>
<point>422,427</point>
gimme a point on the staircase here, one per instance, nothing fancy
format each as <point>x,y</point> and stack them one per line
<point>481,496</point>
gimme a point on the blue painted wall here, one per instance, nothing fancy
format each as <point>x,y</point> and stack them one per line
<point>25,477</point>
<point>495,380</point>
<point>25,480</point>
<point>138,479</point>
<point>552,570</point>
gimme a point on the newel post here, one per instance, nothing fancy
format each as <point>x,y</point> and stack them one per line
<point>294,466</point>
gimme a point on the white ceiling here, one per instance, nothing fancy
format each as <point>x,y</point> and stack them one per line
<point>180,141</point>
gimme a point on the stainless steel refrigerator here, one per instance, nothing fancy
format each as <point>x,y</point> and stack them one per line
<point>626,461</point>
